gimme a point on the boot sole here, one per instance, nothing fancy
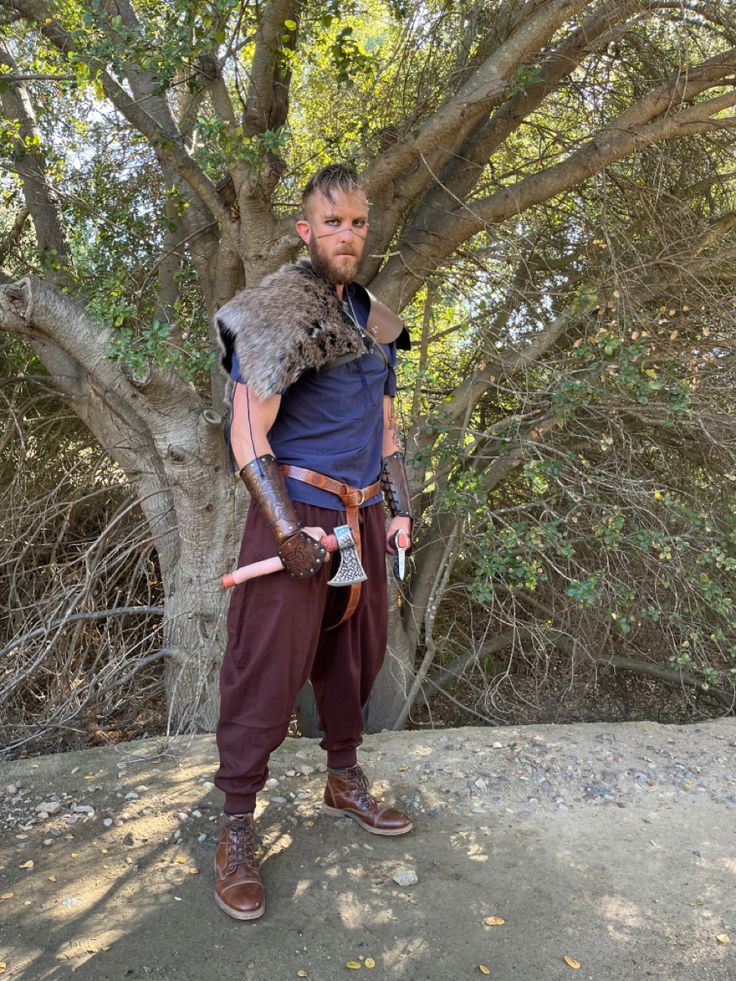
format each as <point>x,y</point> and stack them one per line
<point>237,914</point>
<point>336,812</point>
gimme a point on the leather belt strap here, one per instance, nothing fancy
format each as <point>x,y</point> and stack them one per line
<point>351,498</point>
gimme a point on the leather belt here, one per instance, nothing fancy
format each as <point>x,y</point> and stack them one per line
<point>351,498</point>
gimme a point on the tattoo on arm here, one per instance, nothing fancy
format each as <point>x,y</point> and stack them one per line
<point>393,428</point>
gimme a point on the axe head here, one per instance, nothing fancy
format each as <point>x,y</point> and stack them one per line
<point>350,570</point>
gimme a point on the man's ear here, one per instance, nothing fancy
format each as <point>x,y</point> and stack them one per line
<point>304,230</point>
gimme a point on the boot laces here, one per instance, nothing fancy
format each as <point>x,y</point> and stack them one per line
<point>359,784</point>
<point>242,841</point>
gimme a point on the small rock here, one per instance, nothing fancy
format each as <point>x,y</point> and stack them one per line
<point>83,809</point>
<point>196,814</point>
<point>107,823</point>
<point>12,788</point>
<point>75,770</point>
<point>141,788</point>
<point>405,877</point>
<point>49,806</point>
<point>131,795</point>
<point>272,783</point>
<point>208,785</point>
<point>306,770</point>
<point>498,745</point>
<point>291,773</point>
<point>48,841</point>
<point>278,800</point>
<point>481,783</point>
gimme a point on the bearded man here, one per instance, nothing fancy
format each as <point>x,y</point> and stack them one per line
<point>314,436</point>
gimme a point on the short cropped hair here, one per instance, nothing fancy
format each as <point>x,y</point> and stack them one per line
<point>333,177</point>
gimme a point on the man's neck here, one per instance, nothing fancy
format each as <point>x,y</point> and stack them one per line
<point>340,290</point>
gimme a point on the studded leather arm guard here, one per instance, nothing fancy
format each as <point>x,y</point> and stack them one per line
<point>301,554</point>
<point>395,485</point>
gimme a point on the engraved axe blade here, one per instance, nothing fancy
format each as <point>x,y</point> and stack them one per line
<point>350,570</point>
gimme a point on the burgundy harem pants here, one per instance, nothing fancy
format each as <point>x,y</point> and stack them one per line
<point>277,639</point>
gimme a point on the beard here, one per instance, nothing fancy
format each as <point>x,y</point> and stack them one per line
<point>326,266</point>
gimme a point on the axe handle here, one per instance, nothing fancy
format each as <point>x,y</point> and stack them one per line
<point>267,566</point>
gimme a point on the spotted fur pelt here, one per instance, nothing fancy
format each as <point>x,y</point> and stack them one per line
<point>291,322</point>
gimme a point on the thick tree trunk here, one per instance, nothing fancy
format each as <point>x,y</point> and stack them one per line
<point>173,452</point>
<point>209,521</point>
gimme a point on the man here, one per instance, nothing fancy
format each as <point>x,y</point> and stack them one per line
<point>314,435</point>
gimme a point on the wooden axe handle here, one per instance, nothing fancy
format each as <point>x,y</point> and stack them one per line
<point>267,566</point>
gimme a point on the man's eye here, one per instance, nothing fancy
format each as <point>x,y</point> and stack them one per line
<point>332,221</point>
<point>360,223</point>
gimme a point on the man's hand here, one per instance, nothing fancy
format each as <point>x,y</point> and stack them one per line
<point>318,533</point>
<point>399,523</point>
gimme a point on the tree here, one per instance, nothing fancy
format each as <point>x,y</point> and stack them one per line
<point>154,156</point>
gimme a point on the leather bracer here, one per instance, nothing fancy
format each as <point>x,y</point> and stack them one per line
<point>395,485</point>
<point>301,554</point>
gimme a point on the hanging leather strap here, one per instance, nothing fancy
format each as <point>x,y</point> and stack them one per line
<point>351,498</point>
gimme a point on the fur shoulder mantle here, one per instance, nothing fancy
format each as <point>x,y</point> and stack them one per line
<point>293,321</point>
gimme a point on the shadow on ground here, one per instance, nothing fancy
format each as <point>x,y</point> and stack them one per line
<point>627,888</point>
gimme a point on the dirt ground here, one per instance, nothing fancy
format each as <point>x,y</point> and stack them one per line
<point>612,845</point>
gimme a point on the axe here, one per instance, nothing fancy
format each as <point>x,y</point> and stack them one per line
<point>348,572</point>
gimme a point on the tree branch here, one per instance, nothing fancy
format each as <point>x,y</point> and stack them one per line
<point>458,116</point>
<point>424,248</point>
<point>165,143</point>
<point>119,611</point>
<point>38,191</point>
<point>267,102</point>
<point>466,162</point>
<point>15,233</point>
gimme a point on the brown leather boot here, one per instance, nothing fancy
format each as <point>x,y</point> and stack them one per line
<point>238,887</point>
<point>348,795</point>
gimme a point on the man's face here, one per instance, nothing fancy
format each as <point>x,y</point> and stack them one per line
<point>335,232</point>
